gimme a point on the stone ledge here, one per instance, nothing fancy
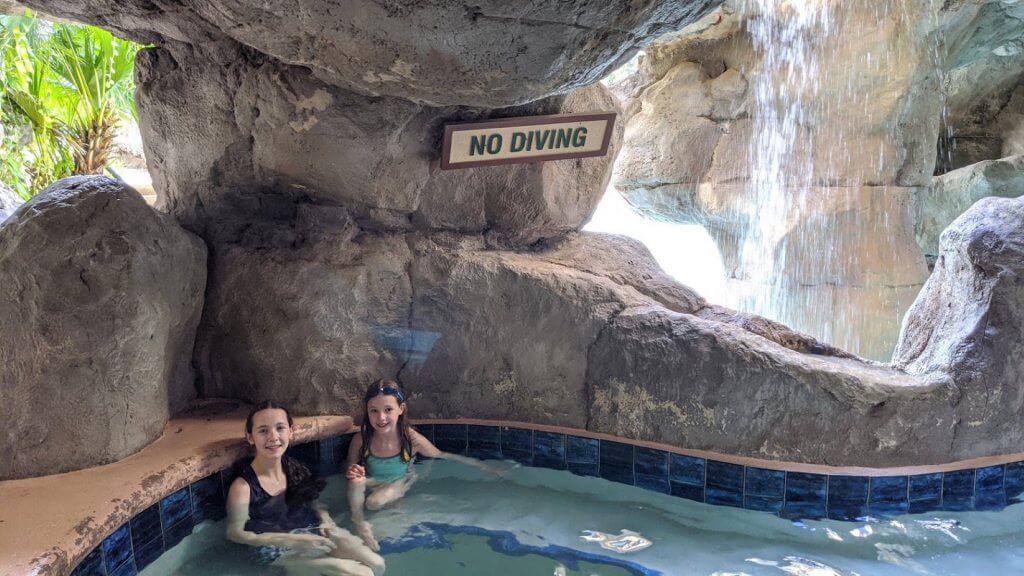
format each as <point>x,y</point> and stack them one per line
<point>48,524</point>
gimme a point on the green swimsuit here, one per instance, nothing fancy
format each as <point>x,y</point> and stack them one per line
<point>386,469</point>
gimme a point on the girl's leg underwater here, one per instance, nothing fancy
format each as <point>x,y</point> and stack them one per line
<point>389,493</point>
<point>356,499</point>
<point>350,547</point>
<point>298,566</point>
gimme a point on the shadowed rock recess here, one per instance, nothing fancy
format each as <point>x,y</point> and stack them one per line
<point>302,143</point>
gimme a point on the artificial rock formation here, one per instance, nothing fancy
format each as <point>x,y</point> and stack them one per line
<point>303,144</point>
<point>263,137</point>
<point>340,253</point>
<point>807,181</point>
<point>952,193</point>
<point>586,332</point>
<point>490,54</point>
<point>101,300</point>
<point>967,326</point>
<point>984,83</point>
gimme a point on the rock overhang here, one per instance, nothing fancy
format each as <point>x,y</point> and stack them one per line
<point>436,52</point>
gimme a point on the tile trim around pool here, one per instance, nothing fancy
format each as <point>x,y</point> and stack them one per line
<point>795,491</point>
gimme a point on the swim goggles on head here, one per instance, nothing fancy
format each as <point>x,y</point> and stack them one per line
<point>387,391</point>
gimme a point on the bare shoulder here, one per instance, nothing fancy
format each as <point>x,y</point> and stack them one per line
<point>354,448</point>
<point>357,442</point>
<point>238,492</point>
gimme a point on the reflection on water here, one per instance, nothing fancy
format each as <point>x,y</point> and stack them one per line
<point>530,522</point>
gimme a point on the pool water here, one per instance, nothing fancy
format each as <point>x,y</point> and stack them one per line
<point>458,520</point>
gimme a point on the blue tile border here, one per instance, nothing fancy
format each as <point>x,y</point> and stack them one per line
<point>549,450</point>
<point>797,495</point>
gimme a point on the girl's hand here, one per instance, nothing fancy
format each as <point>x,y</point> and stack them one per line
<point>355,472</point>
<point>310,544</point>
<point>326,525</point>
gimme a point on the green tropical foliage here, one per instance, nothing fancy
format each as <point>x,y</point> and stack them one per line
<point>66,88</point>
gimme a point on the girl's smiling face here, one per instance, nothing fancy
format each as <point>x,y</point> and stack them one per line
<point>271,433</point>
<point>383,411</point>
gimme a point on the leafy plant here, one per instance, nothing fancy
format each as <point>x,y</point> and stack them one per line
<point>66,88</point>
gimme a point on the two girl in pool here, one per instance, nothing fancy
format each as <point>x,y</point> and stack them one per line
<point>272,504</point>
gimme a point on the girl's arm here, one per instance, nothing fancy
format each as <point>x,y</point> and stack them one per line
<point>352,469</point>
<point>326,522</point>
<point>238,515</point>
<point>420,445</point>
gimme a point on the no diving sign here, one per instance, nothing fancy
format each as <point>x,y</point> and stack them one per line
<point>527,139</point>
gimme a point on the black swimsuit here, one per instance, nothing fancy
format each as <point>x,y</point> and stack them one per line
<point>272,513</point>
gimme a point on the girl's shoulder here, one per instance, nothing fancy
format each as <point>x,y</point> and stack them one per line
<point>239,491</point>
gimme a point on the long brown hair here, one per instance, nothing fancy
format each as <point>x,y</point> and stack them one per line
<point>388,388</point>
<point>303,486</point>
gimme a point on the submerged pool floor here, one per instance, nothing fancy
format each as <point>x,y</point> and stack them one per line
<point>458,520</point>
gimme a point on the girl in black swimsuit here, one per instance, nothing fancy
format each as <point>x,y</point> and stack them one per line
<point>272,506</point>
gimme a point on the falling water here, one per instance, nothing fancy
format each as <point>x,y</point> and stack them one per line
<point>786,36</point>
<point>826,248</point>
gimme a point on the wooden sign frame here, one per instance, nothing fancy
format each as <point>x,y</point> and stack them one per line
<point>525,121</point>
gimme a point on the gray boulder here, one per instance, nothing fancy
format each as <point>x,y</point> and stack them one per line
<point>489,53</point>
<point>967,325</point>
<point>263,137</point>
<point>101,300</point>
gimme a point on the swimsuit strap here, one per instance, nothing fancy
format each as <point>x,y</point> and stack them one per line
<point>256,491</point>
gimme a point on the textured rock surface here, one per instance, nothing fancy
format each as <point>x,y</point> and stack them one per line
<point>9,201</point>
<point>967,325</point>
<point>488,53</point>
<point>984,82</point>
<point>821,216</point>
<point>302,325</point>
<point>101,300</point>
<point>703,81</point>
<point>563,335</point>
<point>260,136</point>
<point>952,193</point>
<point>728,391</point>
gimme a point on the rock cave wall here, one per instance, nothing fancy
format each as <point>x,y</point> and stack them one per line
<point>301,146</point>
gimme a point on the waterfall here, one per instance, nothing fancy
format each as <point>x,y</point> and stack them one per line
<point>825,239</point>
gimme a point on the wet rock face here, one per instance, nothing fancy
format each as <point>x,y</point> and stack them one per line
<point>839,180</point>
<point>101,300</point>
<point>984,83</point>
<point>257,128</point>
<point>471,331</point>
<point>490,54</point>
<point>303,325</point>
